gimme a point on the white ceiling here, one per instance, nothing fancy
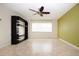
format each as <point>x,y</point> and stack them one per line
<point>56,10</point>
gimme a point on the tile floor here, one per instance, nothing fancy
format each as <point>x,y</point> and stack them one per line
<point>40,47</point>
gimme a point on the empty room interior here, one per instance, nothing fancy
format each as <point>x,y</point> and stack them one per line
<point>39,29</point>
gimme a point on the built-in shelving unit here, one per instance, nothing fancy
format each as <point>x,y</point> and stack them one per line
<point>19,29</point>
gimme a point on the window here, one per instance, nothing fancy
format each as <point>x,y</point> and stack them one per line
<point>41,27</point>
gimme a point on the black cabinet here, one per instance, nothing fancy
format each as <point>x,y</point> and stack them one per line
<point>19,29</point>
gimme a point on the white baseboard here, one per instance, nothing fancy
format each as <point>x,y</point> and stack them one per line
<point>2,45</point>
<point>69,44</point>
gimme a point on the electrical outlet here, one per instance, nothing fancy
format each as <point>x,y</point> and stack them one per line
<point>0,19</point>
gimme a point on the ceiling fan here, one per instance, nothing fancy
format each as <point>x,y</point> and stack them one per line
<point>40,11</point>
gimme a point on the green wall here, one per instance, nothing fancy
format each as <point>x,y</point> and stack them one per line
<point>68,26</point>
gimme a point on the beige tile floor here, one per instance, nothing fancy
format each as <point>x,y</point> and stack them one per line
<point>40,47</point>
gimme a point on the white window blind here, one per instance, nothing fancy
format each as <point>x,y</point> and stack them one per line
<point>41,27</point>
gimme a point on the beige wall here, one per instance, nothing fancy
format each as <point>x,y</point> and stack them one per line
<point>43,35</point>
<point>68,26</point>
<point>5,26</point>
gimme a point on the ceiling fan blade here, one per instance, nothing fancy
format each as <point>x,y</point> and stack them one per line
<point>46,12</point>
<point>33,10</point>
<point>35,13</point>
<point>41,9</point>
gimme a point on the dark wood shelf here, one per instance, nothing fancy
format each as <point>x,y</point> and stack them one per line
<point>21,25</point>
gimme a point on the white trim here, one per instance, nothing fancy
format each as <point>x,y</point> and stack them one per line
<point>69,44</point>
